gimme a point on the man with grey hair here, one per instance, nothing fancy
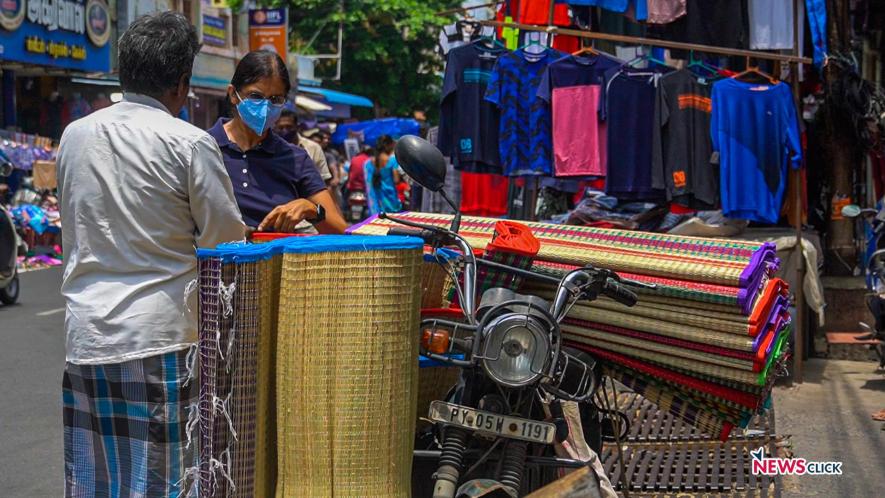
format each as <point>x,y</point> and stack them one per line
<point>139,190</point>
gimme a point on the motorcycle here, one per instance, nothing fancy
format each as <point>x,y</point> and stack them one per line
<point>875,275</point>
<point>521,393</point>
<point>9,245</point>
<point>356,206</point>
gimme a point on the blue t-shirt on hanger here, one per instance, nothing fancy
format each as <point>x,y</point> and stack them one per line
<point>524,140</point>
<point>755,130</point>
<point>468,126</point>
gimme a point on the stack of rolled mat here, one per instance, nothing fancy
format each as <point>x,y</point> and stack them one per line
<point>308,366</point>
<point>705,343</point>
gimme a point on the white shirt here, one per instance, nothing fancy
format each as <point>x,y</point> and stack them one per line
<point>139,189</point>
<point>771,24</point>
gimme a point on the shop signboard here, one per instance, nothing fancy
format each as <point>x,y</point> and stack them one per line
<point>71,34</point>
<point>269,30</point>
<point>214,31</point>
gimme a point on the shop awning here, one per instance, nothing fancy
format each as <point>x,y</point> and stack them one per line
<point>311,104</point>
<point>336,97</point>
<point>96,81</point>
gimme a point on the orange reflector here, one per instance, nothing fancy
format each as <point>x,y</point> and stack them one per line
<point>435,341</point>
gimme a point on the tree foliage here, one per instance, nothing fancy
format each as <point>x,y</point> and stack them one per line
<point>388,47</point>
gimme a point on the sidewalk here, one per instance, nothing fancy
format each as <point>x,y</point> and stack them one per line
<point>829,419</point>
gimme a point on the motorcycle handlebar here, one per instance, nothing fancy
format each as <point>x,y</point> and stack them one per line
<point>620,293</point>
<point>426,235</point>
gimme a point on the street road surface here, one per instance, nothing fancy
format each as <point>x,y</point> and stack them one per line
<point>32,355</point>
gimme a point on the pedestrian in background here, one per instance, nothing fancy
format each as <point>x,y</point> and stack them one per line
<point>139,189</point>
<point>382,175</point>
<point>287,128</point>
<point>333,159</point>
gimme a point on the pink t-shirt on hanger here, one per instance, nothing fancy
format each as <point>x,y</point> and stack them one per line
<point>572,86</point>
<point>579,138</point>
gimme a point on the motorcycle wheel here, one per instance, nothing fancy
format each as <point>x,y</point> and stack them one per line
<point>9,294</point>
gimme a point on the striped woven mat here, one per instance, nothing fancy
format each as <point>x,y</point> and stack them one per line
<point>732,263</point>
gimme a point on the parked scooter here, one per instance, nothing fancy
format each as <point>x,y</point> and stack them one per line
<point>518,383</point>
<point>875,275</point>
<point>9,245</point>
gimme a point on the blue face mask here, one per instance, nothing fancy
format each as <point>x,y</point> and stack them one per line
<point>259,115</point>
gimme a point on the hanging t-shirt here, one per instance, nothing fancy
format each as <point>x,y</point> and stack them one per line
<point>468,128</point>
<point>572,85</point>
<point>665,11</point>
<point>627,106</point>
<point>771,24</point>
<point>524,141</point>
<point>682,148</point>
<point>484,194</point>
<point>755,130</point>
<point>721,23</point>
<point>538,12</point>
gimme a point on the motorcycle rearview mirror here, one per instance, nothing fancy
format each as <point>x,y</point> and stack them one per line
<point>5,169</point>
<point>423,162</point>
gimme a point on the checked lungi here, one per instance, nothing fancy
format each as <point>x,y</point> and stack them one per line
<point>125,428</point>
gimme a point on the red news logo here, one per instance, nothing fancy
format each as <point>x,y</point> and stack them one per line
<point>791,466</point>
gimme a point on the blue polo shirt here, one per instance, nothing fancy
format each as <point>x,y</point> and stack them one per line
<point>273,173</point>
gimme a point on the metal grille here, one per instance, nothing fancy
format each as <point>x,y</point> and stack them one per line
<point>210,314</point>
<point>664,456</point>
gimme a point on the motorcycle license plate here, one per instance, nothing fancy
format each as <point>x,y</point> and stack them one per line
<point>492,423</point>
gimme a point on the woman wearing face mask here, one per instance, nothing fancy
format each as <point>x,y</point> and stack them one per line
<point>276,184</point>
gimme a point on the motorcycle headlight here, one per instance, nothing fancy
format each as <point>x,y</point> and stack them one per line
<point>516,350</point>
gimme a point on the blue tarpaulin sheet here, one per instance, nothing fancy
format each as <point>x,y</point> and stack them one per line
<point>373,129</point>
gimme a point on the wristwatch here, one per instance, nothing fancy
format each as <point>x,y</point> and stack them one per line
<point>320,217</point>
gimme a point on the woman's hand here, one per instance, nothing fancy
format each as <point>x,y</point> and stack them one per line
<point>285,218</point>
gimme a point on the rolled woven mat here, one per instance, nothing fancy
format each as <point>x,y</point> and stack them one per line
<point>712,296</point>
<point>691,367</point>
<point>733,263</point>
<point>688,381</point>
<point>347,376</point>
<point>577,333</point>
<point>660,327</point>
<point>765,377</point>
<point>237,444</point>
<point>435,285</point>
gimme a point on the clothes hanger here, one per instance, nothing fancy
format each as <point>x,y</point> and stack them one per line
<point>534,48</point>
<point>755,71</point>
<point>646,57</point>
<point>488,42</point>
<point>586,49</point>
<point>701,64</point>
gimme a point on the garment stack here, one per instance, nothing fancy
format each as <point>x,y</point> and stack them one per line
<point>706,342</point>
